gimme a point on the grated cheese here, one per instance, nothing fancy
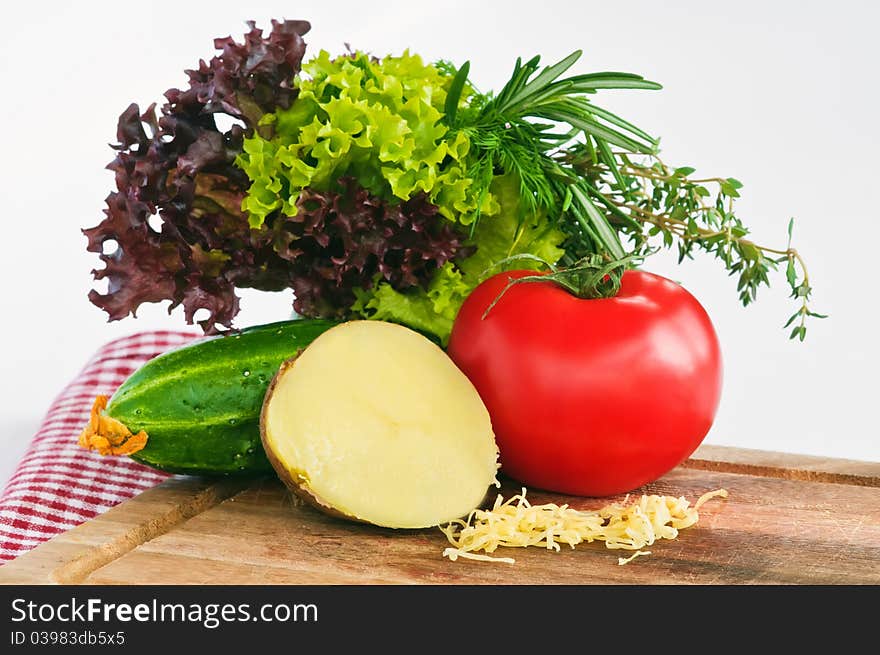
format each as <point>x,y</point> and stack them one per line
<point>516,523</point>
<point>626,560</point>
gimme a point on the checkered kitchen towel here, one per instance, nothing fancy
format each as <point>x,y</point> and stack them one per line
<point>59,485</point>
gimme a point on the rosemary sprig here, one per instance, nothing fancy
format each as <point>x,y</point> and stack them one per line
<point>601,179</point>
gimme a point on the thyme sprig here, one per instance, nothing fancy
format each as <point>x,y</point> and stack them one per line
<point>601,179</point>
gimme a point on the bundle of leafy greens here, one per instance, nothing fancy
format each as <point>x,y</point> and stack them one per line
<point>389,188</point>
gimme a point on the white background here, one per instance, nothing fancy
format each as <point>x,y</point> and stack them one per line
<point>781,95</point>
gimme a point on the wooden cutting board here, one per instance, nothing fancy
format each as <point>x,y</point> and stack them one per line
<point>789,519</point>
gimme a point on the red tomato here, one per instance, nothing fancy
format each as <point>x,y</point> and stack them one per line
<point>591,397</point>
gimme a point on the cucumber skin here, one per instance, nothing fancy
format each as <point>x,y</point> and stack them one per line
<point>200,403</point>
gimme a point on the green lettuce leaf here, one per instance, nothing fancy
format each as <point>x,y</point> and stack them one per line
<point>430,311</point>
<point>376,121</point>
<point>496,238</point>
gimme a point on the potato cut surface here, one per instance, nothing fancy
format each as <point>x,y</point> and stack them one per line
<point>376,422</point>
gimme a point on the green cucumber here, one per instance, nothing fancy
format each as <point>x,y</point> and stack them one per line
<point>200,404</point>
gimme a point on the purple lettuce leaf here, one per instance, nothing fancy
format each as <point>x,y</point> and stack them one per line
<point>180,166</point>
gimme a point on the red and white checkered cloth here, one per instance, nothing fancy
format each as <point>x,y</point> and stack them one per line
<point>59,485</point>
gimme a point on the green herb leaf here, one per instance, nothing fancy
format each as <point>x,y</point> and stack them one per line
<point>453,96</point>
<point>790,274</point>
<point>612,80</point>
<point>546,76</point>
<point>607,236</point>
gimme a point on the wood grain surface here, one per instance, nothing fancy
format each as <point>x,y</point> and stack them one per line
<point>789,519</point>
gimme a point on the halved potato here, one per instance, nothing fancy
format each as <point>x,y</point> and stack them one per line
<point>374,422</point>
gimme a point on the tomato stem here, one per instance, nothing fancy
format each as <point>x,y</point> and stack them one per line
<point>589,278</point>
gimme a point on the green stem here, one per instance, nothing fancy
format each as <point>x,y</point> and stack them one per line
<point>589,279</point>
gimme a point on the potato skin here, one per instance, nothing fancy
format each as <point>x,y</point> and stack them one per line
<point>283,472</point>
